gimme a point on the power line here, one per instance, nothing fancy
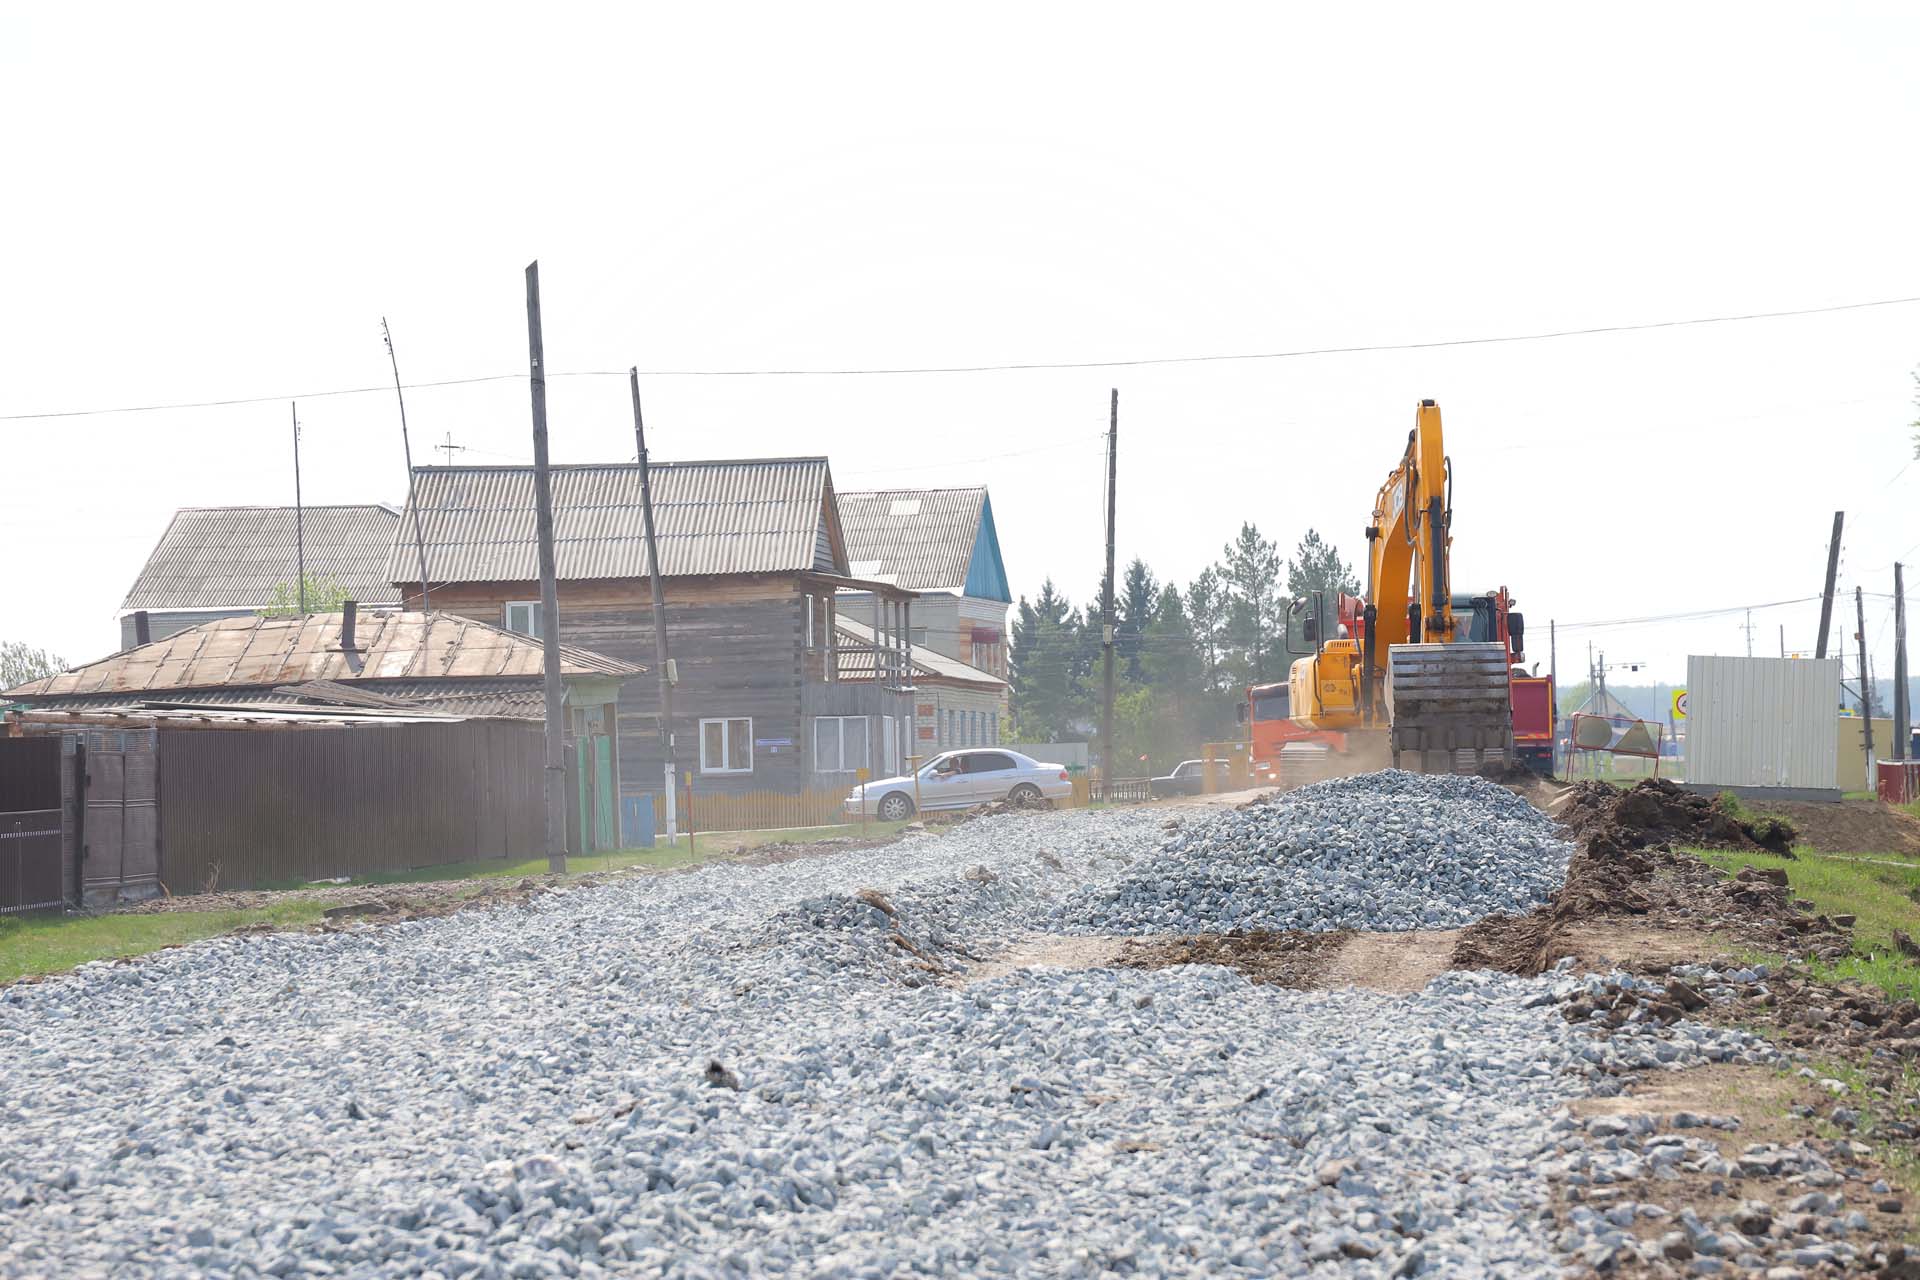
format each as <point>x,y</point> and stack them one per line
<point>1014,367</point>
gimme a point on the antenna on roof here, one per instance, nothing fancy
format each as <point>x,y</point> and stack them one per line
<point>419,539</point>
<point>449,448</point>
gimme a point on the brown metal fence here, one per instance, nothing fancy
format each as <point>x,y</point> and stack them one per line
<point>243,808</point>
<point>30,824</point>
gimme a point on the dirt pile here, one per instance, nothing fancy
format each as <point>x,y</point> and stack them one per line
<point>1288,958</point>
<point>1659,812</point>
<point>1625,868</point>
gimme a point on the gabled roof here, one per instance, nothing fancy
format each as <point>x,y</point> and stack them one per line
<point>750,515</point>
<point>926,540</point>
<point>269,652</point>
<point>858,663</point>
<point>236,557</point>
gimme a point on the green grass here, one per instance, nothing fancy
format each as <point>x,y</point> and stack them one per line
<point>1883,894</point>
<point>51,943</point>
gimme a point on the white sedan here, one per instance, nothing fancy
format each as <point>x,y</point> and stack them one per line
<point>961,779</point>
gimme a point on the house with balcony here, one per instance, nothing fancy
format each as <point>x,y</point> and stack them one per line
<point>753,555</point>
<point>940,545</point>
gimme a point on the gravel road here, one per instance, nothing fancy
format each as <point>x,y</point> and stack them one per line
<point>739,1072</point>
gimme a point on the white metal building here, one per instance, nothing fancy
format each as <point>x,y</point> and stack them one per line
<point>1766,724</point>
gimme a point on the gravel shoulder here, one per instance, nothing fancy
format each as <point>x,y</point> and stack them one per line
<point>781,1070</point>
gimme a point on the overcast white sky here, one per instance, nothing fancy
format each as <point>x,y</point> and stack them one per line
<point>214,203</point>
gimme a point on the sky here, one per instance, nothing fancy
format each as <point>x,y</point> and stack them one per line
<point>218,203</point>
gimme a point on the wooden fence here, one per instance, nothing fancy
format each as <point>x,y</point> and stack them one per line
<point>243,808</point>
<point>759,810</point>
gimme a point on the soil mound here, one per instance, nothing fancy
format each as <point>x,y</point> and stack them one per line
<point>1659,812</point>
<point>1285,958</point>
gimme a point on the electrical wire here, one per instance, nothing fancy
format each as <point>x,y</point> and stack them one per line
<point>1014,367</point>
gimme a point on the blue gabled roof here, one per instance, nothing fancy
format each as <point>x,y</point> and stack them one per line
<point>986,573</point>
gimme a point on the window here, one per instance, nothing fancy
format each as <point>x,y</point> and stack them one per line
<point>917,636</point>
<point>523,616</point>
<point>839,744</point>
<point>806,606</point>
<point>1270,705</point>
<point>988,762</point>
<point>726,746</point>
<point>890,745</point>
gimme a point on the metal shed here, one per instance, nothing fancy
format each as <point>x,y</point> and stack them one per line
<point>1765,725</point>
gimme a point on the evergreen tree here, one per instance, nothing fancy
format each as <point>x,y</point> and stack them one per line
<point>1207,616</point>
<point>1046,668</point>
<point>1250,568</point>
<point>1139,594</point>
<point>1316,566</point>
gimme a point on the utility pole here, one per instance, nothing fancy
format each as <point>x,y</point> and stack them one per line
<point>1902,713</point>
<point>299,512</point>
<point>1826,594</point>
<point>1866,681</point>
<point>556,778</point>
<point>419,539</point>
<point>1748,628</point>
<point>1106,599</point>
<point>660,658</point>
<point>1783,639</point>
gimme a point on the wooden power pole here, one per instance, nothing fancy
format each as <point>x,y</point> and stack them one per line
<point>299,515</point>
<point>660,658</point>
<point>1106,600</point>
<point>1902,713</point>
<point>1826,595</point>
<point>1866,681</point>
<point>406,446</point>
<point>556,775</point>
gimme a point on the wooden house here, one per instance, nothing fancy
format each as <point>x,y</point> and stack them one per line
<point>752,555</point>
<point>941,545</point>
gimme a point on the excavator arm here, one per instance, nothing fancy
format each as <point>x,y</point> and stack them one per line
<point>1410,664</point>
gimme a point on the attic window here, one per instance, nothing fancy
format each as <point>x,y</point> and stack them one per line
<point>904,507</point>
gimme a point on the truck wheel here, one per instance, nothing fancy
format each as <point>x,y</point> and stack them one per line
<point>895,807</point>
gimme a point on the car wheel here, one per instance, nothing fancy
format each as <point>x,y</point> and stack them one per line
<point>895,808</point>
<point>1024,796</point>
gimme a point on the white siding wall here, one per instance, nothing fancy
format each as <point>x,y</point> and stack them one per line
<point>1763,722</point>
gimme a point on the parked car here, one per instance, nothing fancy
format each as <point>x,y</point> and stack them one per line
<point>960,780</point>
<point>1189,778</point>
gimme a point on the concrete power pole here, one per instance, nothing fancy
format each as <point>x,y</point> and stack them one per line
<point>660,658</point>
<point>556,774</point>
<point>1902,713</point>
<point>1866,681</point>
<point>299,515</point>
<point>1106,601</point>
<point>1826,595</point>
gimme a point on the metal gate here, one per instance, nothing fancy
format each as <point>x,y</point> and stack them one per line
<point>30,824</point>
<point>120,827</point>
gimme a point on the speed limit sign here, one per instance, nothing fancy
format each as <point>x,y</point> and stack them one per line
<point>1679,704</point>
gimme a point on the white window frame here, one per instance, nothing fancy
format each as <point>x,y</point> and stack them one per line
<point>533,617</point>
<point>808,601</point>
<point>840,743</point>
<point>726,724</point>
<point>890,735</point>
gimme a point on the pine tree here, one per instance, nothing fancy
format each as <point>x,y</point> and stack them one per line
<point>1139,594</point>
<point>1045,668</point>
<point>1250,568</point>
<point>1207,616</point>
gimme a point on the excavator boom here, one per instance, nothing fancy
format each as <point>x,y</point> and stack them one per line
<point>1409,667</point>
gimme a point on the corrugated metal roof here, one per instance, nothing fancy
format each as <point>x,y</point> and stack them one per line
<point>756,515</point>
<point>517,697</point>
<point>921,539</point>
<point>858,664</point>
<point>277,651</point>
<point>235,557</point>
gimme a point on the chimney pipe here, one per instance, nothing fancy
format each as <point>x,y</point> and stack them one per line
<point>348,612</point>
<point>142,629</point>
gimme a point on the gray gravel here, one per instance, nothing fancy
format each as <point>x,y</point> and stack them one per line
<point>1389,850</point>
<point>738,1072</point>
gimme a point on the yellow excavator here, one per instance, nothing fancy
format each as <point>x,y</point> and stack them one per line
<point>1401,660</point>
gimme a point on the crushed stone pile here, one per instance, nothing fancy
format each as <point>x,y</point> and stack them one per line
<point>1378,851</point>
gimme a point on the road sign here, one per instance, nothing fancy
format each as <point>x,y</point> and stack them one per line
<point>861,775</point>
<point>1679,704</point>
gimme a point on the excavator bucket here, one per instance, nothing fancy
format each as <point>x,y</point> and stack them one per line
<point>1449,706</point>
